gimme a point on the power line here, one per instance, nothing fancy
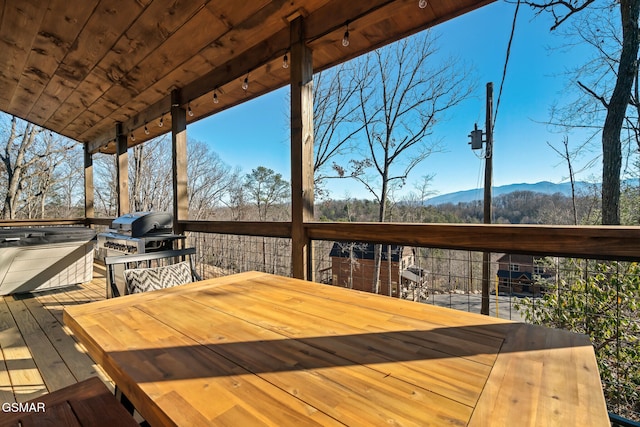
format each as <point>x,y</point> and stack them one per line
<point>506,62</point>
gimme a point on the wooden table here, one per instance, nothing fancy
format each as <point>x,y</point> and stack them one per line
<point>257,349</point>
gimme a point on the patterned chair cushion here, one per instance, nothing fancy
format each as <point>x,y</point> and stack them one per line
<point>150,279</point>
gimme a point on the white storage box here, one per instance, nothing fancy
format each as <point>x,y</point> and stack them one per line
<point>38,259</point>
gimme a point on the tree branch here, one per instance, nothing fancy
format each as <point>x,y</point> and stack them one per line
<point>595,95</point>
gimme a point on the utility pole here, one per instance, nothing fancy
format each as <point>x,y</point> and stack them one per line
<point>476,143</point>
<point>488,183</point>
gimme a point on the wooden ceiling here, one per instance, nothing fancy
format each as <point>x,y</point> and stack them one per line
<point>80,67</point>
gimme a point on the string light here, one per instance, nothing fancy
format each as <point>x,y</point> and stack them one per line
<point>422,4</point>
<point>285,61</point>
<point>189,110</point>
<point>133,138</point>
<point>215,97</point>
<point>345,39</point>
<point>161,122</point>
<point>245,83</point>
<point>146,129</point>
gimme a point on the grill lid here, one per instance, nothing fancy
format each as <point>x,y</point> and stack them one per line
<point>139,224</point>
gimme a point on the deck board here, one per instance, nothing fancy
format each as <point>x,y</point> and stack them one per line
<point>72,353</point>
<point>52,368</point>
<point>38,353</point>
<point>26,381</point>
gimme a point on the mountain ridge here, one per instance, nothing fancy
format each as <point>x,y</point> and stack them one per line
<point>466,196</point>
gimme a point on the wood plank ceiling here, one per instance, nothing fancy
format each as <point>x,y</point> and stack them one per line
<point>80,67</point>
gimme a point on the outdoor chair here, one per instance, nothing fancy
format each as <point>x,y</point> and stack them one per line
<point>87,403</point>
<point>152,271</point>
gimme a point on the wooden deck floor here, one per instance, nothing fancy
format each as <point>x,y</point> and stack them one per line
<point>38,353</point>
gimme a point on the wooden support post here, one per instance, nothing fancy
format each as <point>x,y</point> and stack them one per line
<point>122,167</point>
<point>301,150</point>
<point>89,211</point>
<point>179,161</point>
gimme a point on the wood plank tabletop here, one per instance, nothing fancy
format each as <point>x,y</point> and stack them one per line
<point>258,349</point>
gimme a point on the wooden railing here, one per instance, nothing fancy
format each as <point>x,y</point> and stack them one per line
<point>41,222</point>
<point>617,243</point>
<point>597,242</point>
<point>241,228</point>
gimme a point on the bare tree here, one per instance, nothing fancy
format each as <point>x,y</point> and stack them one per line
<point>15,159</point>
<point>30,158</point>
<point>399,107</point>
<point>622,65</point>
<point>105,182</point>
<point>335,118</point>
<point>567,157</point>
<point>210,180</point>
<point>43,178</point>
<point>150,176</point>
<point>415,199</point>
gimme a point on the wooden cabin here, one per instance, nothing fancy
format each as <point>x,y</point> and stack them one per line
<point>353,267</point>
<point>521,274</point>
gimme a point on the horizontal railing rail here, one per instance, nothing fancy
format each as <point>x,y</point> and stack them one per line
<point>606,243</point>
<point>599,242</point>
<point>244,228</point>
<point>99,221</point>
<point>41,222</point>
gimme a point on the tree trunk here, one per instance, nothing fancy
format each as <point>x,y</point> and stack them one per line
<point>616,110</point>
<point>377,249</point>
<point>16,169</point>
<point>136,182</point>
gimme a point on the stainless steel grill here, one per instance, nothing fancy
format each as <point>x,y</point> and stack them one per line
<point>138,233</point>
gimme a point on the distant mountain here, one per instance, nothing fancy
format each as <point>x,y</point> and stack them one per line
<point>466,196</point>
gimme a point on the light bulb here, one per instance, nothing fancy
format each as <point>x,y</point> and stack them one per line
<point>146,129</point>
<point>215,97</point>
<point>133,138</point>
<point>245,83</point>
<point>422,4</point>
<point>345,39</point>
<point>161,123</point>
<point>189,110</point>
<point>285,61</point>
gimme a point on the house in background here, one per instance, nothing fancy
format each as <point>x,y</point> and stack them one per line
<point>518,274</point>
<point>353,266</point>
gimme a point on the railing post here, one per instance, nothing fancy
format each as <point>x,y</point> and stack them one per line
<point>301,150</point>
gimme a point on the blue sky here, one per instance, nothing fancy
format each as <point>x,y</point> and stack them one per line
<point>256,133</point>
